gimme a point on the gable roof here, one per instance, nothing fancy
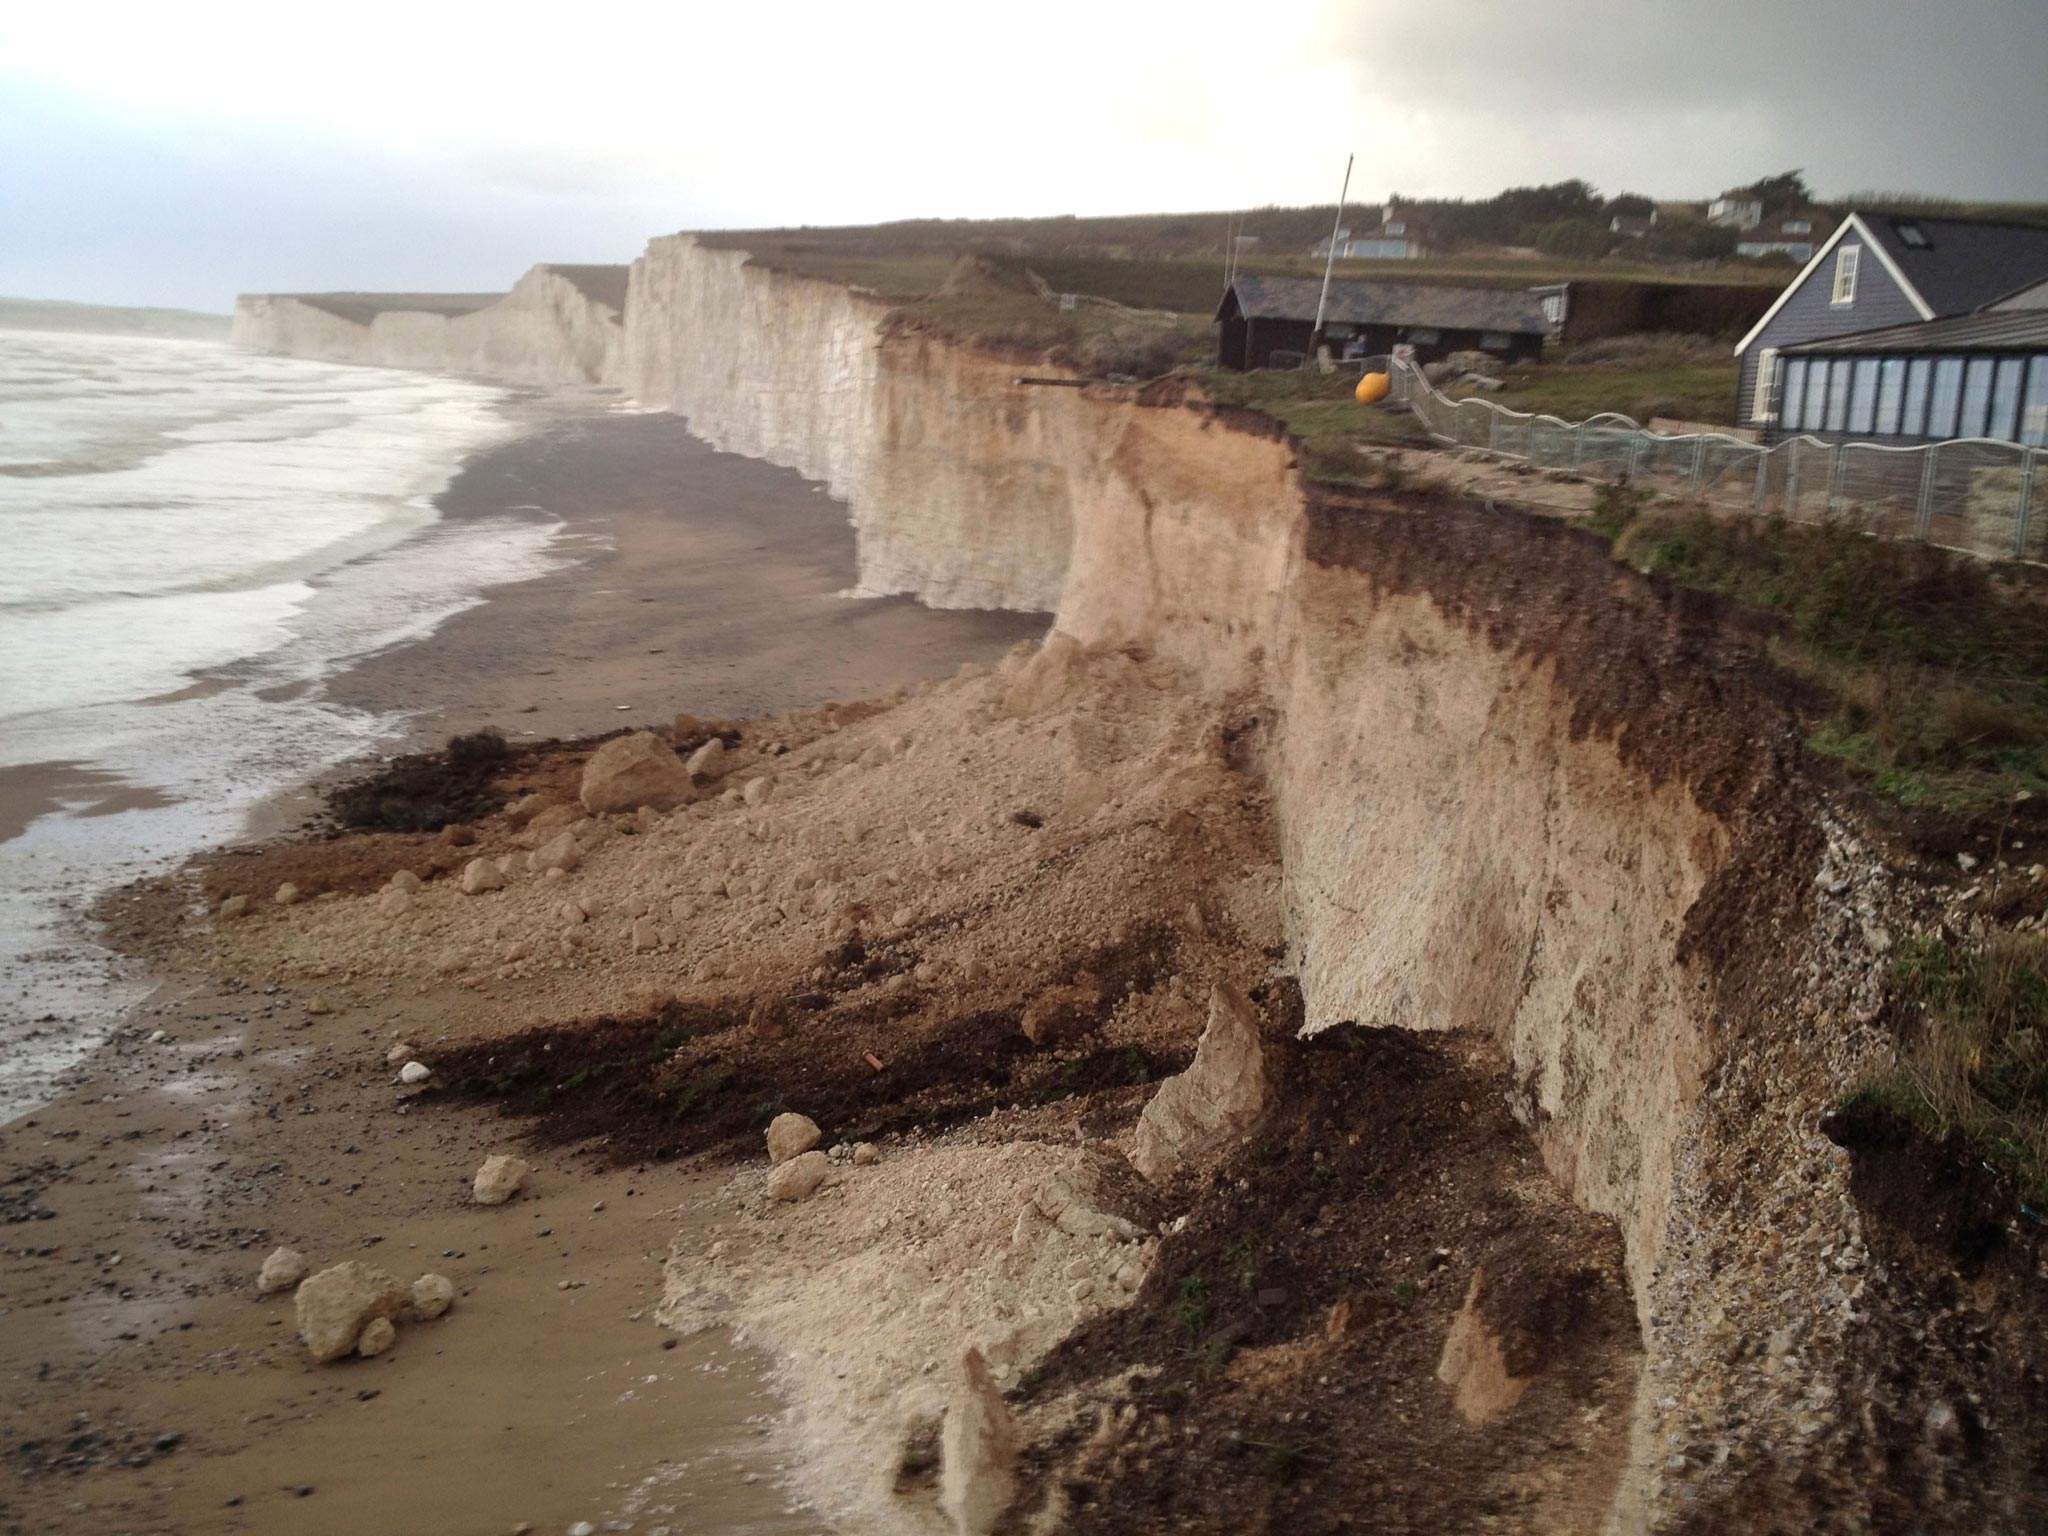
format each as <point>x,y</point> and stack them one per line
<point>1961,264</point>
<point>1956,266</point>
<point>1366,301</point>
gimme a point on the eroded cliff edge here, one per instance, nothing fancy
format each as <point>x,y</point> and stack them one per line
<point>1519,791</point>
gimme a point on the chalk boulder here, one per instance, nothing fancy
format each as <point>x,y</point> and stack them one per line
<point>414,1073</point>
<point>708,761</point>
<point>287,895</point>
<point>1217,1100</point>
<point>336,1305</point>
<point>799,1178</point>
<point>234,907</point>
<point>378,1335</point>
<point>481,875</point>
<point>285,1268</point>
<point>977,1450</point>
<point>500,1178</point>
<point>559,852</point>
<point>633,771</point>
<point>790,1136</point>
<point>429,1297</point>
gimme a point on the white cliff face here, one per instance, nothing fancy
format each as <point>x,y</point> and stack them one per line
<point>547,330</point>
<point>959,490</point>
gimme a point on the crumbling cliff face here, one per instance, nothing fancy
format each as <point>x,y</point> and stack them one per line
<point>558,325</point>
<point>1519,791</point>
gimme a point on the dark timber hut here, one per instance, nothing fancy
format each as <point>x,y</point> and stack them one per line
<point>1260,316</point>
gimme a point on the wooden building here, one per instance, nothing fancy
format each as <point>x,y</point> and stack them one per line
<point>1262,316</point>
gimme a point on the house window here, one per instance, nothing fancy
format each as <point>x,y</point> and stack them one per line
<point>1948,389</point>
<point>1838,395</point>
<point>1976,397</point>
<point>1913,420</point>
<point>1863,395</point>
<point>1398,227</point>
<point>1798,227</point>
<point>1891,389</point>
<point>1814,417</point>
<point>1792,393</point>
<point>2034,409</point>
<point>1847,259</point>
<point>1766,376</point>
<point>2005,398</point>
<point>1912,235</point>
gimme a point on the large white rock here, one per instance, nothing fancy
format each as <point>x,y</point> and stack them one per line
<point>789,1135</point>
<point>414,1072</point>
<point>481,875</point>
<point>335,1306</point>
<point>1217,1100</point>
<point>285,1268</point>
<point>799,1178</point>
<point>632,771</point>
<point>977,1450</point>
<point>430,1296</point>
<point>500,1178</point>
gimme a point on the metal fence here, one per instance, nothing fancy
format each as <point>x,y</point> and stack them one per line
<point>1973,494</point>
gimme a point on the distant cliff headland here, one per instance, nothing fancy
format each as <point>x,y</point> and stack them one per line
<point>110,320</point>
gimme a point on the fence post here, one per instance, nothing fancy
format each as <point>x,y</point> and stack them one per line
<point>1578,445</point>
<point>2019,537</point>
<point>1836,462</point>
<point>1699,465</point>
<point>1924,523</point>
<point>1763,465</point>
<point>1493,432</point>
<point>1635,456</point>
<point>1792,483</point>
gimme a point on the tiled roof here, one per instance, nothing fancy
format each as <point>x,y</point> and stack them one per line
<point>1366,301</point>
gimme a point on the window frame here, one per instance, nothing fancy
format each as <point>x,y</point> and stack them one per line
<point>1848,266</point>
<point>1919,390</point>
<point>1951,366</point>
<point>1766,380</point>
<point>1891,396</point>
<point>1792,393</point>
<point>1979,373</point>
<point>1862,396</point>
<point>2009,384</point>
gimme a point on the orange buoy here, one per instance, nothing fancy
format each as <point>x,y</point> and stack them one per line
<point>1371,387</point>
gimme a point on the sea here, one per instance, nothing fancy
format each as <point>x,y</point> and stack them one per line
<point>193,539</point>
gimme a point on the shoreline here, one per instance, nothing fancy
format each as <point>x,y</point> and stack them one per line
<point>267,1114</point>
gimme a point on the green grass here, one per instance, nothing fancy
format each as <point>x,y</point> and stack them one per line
<point>1689,391</point>
<point>1936,663</point>
<point>1978,1059</point>
<point>1318,408</point>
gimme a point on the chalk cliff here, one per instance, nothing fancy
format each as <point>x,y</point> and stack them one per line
<point>558,325</point>
<point>1520,793</point>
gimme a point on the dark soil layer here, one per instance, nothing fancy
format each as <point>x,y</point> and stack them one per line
<point>1289,1336</point>
<point>688,1079</point>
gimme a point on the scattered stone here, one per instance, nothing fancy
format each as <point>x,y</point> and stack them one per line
<point>428,1298</point>
<point>378,1335</point>
<point>977,1450</point>
<point>768,1019</point>
<point>1217,1100</point>
<point>559,852</point>
<point>789,1135</point>
<point>404,880</point>
<point>708,761</point>
<point>414,1072</point>
<point>631,771</point>
<point>500,1178</point>
<point>457,835</point>
<point>393,903</point>
<point>757,792</point>
<point>480,875</point>
<point>526,807</point>
<point>234,907</point>
<point>645,935</point>
<point>335,1306</point>
<point>398,1055</point>
<point>285,1268</point>
<point>865,1154</point>
<point>286,895</point>
<point>799,1178</point>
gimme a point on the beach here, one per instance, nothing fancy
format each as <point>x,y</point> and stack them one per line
<point>147,1388</point>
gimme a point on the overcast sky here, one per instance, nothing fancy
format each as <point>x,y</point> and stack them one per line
<point>179,153</point>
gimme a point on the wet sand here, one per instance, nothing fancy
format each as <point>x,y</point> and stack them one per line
<point>143,1385</point>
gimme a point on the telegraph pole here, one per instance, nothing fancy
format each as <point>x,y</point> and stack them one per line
<point>1323,299</point>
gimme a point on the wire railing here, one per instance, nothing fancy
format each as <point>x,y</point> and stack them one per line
<point>1973,494</point>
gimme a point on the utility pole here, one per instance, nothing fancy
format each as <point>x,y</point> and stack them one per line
<point>1323,299</point>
